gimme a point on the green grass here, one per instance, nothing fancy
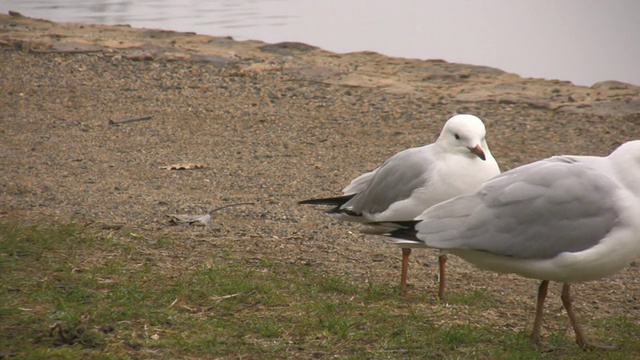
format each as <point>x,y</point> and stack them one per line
<point>70,293</point>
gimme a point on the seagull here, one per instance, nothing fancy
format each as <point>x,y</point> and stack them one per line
<point>409,182</point>
<point>568,219</point>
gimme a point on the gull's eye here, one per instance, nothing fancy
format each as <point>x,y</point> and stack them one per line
<point>457,136</point>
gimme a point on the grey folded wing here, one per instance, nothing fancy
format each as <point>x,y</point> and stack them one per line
<point>536,211</point>
<point>393,181</point>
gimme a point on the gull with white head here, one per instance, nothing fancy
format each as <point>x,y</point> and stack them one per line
<point>409,182</point>
<point>567,218</point>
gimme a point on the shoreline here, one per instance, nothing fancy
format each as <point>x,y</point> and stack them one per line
<point>451,81</point>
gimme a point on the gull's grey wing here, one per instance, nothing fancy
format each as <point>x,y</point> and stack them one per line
<point>534,212</point>
<point>393,181</point>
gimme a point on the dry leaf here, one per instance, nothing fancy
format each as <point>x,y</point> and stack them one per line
<point>183,167</point>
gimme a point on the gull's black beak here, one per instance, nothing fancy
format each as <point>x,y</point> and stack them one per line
<point>478,152</point>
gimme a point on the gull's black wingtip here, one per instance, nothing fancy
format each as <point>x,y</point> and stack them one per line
<point>405,230</point>
<point>332,201</point>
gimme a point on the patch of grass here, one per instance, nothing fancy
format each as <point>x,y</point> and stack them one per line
<point>476,297</point>
<point>338,285</point>
<point>458,335</point>
<point>69,293</point>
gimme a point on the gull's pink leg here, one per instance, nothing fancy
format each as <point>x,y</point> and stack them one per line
<point>442,261</point>
<point>566,302</point>
<point>537,323</point>
<point>405,265</point>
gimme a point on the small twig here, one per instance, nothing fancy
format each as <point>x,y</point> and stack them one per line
<point>124,121</point>
<point>174,302</point>
<point>218,298</point>
<point>230,205</point>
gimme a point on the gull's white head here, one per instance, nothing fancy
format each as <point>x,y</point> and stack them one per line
<point>465,134</point>
<point>626,162</point>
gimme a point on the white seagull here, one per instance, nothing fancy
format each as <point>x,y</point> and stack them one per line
<point>415,179</point>
<point>567,218</point>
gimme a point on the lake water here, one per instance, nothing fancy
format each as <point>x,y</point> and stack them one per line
<point>583,41</point>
